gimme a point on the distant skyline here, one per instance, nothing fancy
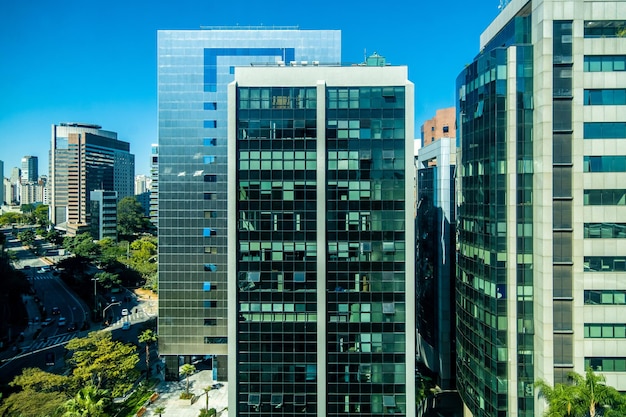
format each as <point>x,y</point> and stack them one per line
<point>95,62</point>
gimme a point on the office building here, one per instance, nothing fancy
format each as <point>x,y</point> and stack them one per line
<point>103,220</point>
<point>436,260</point>
<point>30,169</point>
<point>443,125</point>
<point>84,158</point>
<point>2,200</point>
<point>321,185</point>
<point>154,187</point>
<point>194,69</point>
<point>541,264</point>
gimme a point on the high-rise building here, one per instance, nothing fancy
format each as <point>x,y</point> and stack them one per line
<point>443,125</point>
<point>2,200</point>
<point>84,158</point>
<point>154,189</point>
<point>16,182</point>
<point>321,238</point>
<point>436,260</point>
<point>541,214</point>
<point>30,169</point>
<point>103,220</point>
<point>194,69</point>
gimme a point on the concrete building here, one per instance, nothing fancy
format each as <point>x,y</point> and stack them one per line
<point>541,261</point>
<point>443,125</point>
<point>2,200</point>
<point>103,221</point>
<point>84,158</point>
<point>436,260</point>
<point>194,69</point>
<point>321,187</point>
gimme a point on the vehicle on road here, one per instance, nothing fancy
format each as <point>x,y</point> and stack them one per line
<point>47,322</point>
<point>72,327</point>
<point>62,322</point>
<point>124,312</point>
<point>55,311</point>
<point>26,266</point>
<point>50,358</point>
<point>126,325</point>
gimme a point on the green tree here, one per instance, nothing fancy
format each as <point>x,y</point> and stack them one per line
<point>88,402</point>
<point>33,403</point>
<point>41,215</point>
<point>103,362</point>
<point>148,337</point>
<point>586,396</point>
<point>159,410</point>
<point>131,219</point>
<point>107,279</point>
<point>37,380</point>
<point>11,218</point>
<point>82,245</point>
<point>206,393</point>
<point>54,236</point>
<point>187,370</point>
<point>27,237</point>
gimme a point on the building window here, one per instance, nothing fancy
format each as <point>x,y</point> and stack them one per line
<point>209,141</point>
<point>604,197</point>
<point>604,130</point>
<point>207,232</point>
<point>605,297</point>
<point>605,97</point>
<point>299,276</point>
<point>613,163</point>
<point>206,286</point>
<point>210,303</point>
<point>208,159</point>
<point>210,124</point>
<point>446,129</point>
<point>210,322</point>
<point>600,364</point>
<point>604,263</point>
<point>211,250</point>
<point>210,106</point>
<point>210,196</point>
<point>605,28</point>
<point>210,267</point>
<point>216,340</point>
<point>605,63</point>
<point>210,178</point>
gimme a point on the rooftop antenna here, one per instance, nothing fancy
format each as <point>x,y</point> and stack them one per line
<point>364,54</point>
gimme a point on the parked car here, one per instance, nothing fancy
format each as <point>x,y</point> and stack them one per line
<point>124,312</point>
<point>72,327</point>
<point>47,322</point>
<point>62,322</point>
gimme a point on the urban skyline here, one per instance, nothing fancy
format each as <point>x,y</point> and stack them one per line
<point>90,85</point>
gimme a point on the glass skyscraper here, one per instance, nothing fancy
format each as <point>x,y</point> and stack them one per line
<point>541,266</point>
<point>321,188</point>
<point>194,68</point>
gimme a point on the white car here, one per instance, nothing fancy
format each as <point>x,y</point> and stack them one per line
<point>124,312</point>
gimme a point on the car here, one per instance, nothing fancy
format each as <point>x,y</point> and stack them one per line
<point>62,322</point>
<point>26,266</point>
<point>50,358</point>
<point>55,311</point>
<point>45,268</point>
<point>113,299</point>
<point>47,322</point>
<point>124,312</point>
<point>126,325</point>
<point>72,327</point>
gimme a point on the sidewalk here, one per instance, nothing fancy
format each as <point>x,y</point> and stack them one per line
<point>169,397</point>
<point>32,309</point>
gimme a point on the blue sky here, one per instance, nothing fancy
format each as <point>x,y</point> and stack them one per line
<point>94,61</point>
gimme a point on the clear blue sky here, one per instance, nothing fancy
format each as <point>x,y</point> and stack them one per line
<point>94,61</point>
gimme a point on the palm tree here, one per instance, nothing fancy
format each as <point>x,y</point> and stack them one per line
<point>148,337</point>
<point>88,402</point>
<point>159,410</point>
<point>206,392</point>
<point>587,396</point>
<point>187,370</point>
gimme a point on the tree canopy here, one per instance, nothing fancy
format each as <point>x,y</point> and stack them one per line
<point>131,219</point>
<point>103,362</point>
<point>587,395</point>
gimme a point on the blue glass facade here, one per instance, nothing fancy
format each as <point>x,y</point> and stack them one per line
<point>194,68</point>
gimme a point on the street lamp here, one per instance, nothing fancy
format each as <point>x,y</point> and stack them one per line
<point>107,307</point>
<point>95,297</point>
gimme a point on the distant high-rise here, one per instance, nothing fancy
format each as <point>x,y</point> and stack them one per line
<point>84,158</point>
<point>541,283</point>
<point>321,241</point>
<point>436,260</point>
<point>2,200</point>
<point>30,169</point>
<point>15,179</point>
<point>443,125</point>
<point>103,221</point>
<point>194,69</point>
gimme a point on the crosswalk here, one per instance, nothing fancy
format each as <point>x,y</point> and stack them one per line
<point>41,277</point>
<point>52,341</point>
